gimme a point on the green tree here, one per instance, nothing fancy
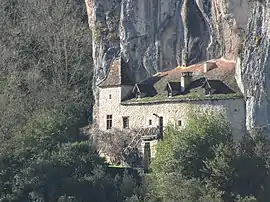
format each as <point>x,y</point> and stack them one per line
<point>47,161</point>
<point>187,149</point>
<point>241,169</point>
<point>180,158</point>
<point>202,163</point>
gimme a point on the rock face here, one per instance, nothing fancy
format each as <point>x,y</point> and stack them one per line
<point>254,66</point>
<point>154,35</point>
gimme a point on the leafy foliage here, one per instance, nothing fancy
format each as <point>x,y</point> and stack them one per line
<point>202,163</point>
<point>42,157</point>
<point>47,162</point>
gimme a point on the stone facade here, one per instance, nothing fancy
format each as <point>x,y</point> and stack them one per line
<point>140,113</point>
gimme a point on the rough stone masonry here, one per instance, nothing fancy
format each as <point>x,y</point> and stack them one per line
<point>155,35</point>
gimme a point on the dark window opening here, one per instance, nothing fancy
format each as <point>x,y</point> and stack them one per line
<point>138,95</point>
<point>207,91</point>
<point>150,122</point>
<point>147,155</point>
<point>125,122</point>
<point>179,123</point>
<point>110,96</point>
<point>109,122</point>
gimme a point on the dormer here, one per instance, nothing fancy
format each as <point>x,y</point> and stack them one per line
<point>208,89</point>
<point>186,79</point>
<point>137,91</point>
<point>216,87</point>
<point>143,90</point>
<point>173,88</point>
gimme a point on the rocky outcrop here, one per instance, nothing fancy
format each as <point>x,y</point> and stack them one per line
<point>253,72</point>
<point>154,35</point>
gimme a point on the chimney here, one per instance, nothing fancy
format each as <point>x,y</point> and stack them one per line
<point>209,65</point>
<point>186,78</point>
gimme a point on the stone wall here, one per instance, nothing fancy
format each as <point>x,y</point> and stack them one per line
<point>139,114</point>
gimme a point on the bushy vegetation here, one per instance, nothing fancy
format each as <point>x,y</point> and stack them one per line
<point>203,163</point>
<point>47,162</point>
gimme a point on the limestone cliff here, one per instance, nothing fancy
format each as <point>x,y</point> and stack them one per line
<point>154,35</point>
<point>254,66</point>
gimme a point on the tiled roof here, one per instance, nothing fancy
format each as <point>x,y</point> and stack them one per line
<point>223,72</point>
<point>118,74</point>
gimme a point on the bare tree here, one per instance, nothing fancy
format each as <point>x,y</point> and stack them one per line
<point>45,59</point>
<point>113,144</point>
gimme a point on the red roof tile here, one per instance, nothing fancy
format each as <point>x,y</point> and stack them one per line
<point>221,63</point>
<point>224,71</point>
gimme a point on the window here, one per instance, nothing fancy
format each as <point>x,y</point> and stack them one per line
<point>110,96</point>
<point>126,122</point>
<point>109,122</point>
<point>150,122</point>
<point>179,123</point>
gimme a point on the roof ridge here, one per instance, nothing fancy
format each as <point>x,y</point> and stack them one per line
<point>224,59</point>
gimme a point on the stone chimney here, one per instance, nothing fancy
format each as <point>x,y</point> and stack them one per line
<point>186,78</point>
<point>209,65</point>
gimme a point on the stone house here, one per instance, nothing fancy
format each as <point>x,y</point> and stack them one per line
<point>168,96</point>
